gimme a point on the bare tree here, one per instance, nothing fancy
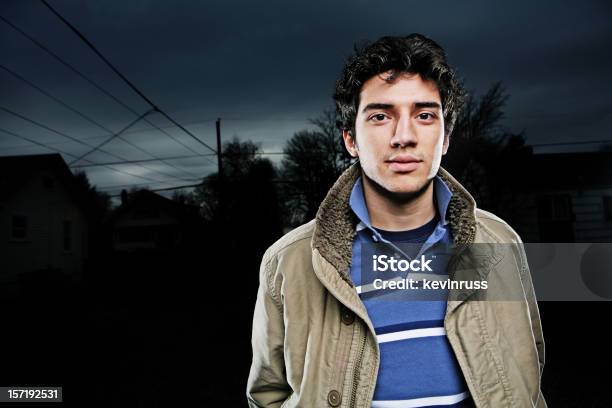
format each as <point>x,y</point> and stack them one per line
<point>97,201</point>
<point>245,199</point>
<point>489,160</point>
<point>214,195</point>
<point>313,160</point>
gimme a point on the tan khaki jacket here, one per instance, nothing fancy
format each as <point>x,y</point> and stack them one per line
<point>314,344</point>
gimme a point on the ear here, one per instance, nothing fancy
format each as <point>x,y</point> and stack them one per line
<point>350,143</point>
<point>445,144</point>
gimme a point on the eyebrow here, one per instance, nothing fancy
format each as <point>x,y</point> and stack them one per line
<point>418,105</point>
<point>435,105</point>
<point>372,106</point>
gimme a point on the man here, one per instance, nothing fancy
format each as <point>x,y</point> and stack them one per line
<point>320,338</point>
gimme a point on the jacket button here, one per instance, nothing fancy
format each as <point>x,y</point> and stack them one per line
<point>334,399</point>
<point>347,316</point>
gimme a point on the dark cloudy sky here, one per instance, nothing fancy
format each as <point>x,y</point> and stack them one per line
<point>267,67</point>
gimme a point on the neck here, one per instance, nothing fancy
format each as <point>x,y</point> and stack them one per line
<point>398,212</point>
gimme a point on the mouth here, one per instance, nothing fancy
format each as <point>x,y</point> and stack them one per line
<point>403,163</point>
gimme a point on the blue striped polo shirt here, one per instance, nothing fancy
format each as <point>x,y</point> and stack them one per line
<point>418,367</point>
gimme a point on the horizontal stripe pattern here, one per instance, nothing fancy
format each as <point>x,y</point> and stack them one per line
<point>420,324</point>
<point>417,367</point>
<point>417,364</point>
<point>411,334</point>
<point>445,400</point>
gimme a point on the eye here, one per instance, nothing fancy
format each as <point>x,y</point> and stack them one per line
<point>425,116</point>
<point>379,117</point>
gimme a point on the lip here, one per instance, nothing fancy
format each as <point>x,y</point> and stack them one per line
<point>404,163</point>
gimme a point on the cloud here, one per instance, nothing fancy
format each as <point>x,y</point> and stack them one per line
<point>272,65</point>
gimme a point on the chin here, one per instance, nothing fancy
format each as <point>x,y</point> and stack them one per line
<point>406,185</point>
<point>398,185</point>
<point>405,189</point>
<point>405,182</point>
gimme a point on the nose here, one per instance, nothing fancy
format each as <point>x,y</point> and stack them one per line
<point>405,132</point>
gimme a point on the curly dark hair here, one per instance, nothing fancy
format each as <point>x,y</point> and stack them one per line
<point>413,53</point>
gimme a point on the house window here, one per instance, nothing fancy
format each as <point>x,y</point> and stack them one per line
<point>607,204</point>
<point>19,227</point>
<point>556,218</point>
<point>67,233</point>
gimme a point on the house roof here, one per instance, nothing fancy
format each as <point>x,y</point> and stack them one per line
<point>16,171</point>
<point>149,199</point>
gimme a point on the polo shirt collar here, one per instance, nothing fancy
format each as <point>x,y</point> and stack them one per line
<point>358,205</point>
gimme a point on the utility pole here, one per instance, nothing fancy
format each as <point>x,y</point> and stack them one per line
<point>220,180</point>
<point>219,150</point>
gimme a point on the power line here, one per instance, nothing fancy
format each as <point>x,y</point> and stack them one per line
<point>66,64</point>
<point>123,77</point>
<point>570,143</point>
<point>8,132</point>
<point>76,166</point>
<point>43,126</point>
<point>124,105</point>
<point>51,144</point>
<point>92,82</point>
<point>173,188</point>
<point>129,83</point>
<point>32,121</point>
<point>86,117</point>
<point>143,177</point>
<point>108,164</point>
<point>162,131</point>
<point>54,98</point>
<point>153,160</point>
<point>115,98</point>
<point>207,121</point>
<point>99,145</point>
<point>71,155</point>
<point>153,190</point>
<point>140,161</point>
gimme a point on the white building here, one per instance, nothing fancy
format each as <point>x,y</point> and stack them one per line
<point>43,223</point>
<point>570,198</point>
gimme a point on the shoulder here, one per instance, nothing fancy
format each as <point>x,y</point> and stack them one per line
<point>496,230</point>
<point>296,242</point>
<point>296,238</point>
<point>493,225</point>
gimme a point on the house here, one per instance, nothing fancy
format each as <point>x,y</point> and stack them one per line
<point>146,221</point>
<point>569,198</point>
<point>43,217</point>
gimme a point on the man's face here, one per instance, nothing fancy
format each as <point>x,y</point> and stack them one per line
<point>399,132</point>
